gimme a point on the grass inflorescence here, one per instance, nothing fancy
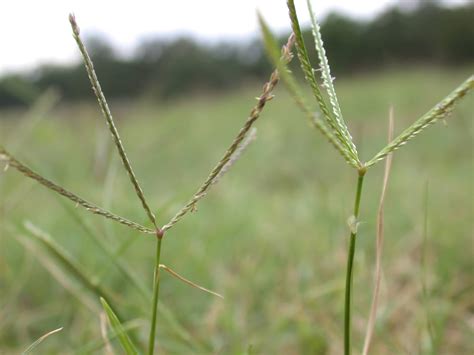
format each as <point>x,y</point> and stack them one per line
<point>336,131</point>
<point>244,137</point>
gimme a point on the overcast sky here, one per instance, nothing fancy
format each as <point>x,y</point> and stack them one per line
<point>37,31</point>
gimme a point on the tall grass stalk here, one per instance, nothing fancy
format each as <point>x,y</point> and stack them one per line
<point>156,292</point>
<point>334,128</point>
<point>353,226</point>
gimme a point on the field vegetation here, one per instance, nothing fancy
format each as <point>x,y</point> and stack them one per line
<point>271,238</point>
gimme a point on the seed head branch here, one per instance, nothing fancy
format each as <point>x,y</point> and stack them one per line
<point>254,115</point>
<point>108,116</point>
<point>439,111</point>
<point>22,168</point>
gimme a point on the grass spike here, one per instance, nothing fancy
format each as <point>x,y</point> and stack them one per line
<point>251,136</point>
<point>118,328</point>
<point>295,91</point>
<point>439,111</point>
<point>328,81</point>
<point>265,96</point>
<point>108,116</point>
<point>311,79</point>
<point>25,170</point>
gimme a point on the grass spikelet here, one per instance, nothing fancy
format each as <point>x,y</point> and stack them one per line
<point>25,170</point>
<point>40,340</point>
<point>181,278</point>
<point>216,173</point>
<point>308,71</point>
<point>328,82</point>
<point>108,116</point>
<point>439,111</point>
<point>379,245</point>
<point>251,136</point>
<point>116,325</point>
<point>292,86</point>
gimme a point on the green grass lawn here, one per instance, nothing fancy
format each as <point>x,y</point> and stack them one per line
<point>271,236</point>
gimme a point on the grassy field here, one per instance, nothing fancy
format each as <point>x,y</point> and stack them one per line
<point>271,236</point>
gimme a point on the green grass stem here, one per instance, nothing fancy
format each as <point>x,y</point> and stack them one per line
<point>350,265</point>
<point>156,291</point>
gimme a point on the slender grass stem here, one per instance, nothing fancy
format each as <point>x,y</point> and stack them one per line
<point>156,291</point>
<point>350,263</point>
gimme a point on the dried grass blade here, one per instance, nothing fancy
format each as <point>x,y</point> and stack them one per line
<point>379,245</point>
<point>254,115</point>
<point>181,278</point>
<point>108,116</point>
<point>22,168</point>
<point>439,111</point>
<point>104,333</point>
<point>40,340</point>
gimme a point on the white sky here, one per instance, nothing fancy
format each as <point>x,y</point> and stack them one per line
<point>37,31</point>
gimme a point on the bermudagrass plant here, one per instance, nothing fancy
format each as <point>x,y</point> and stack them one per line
<point>243,138</point>
<point>334,128</point>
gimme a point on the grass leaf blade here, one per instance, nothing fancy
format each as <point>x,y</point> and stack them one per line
<point>116,325</point>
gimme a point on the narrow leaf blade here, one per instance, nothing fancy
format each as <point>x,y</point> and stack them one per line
<point>118,329</point>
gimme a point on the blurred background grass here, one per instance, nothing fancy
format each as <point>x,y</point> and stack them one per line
<point>271,236</point>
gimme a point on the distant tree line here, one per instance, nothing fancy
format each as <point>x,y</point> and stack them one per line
<point>163,68</point>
